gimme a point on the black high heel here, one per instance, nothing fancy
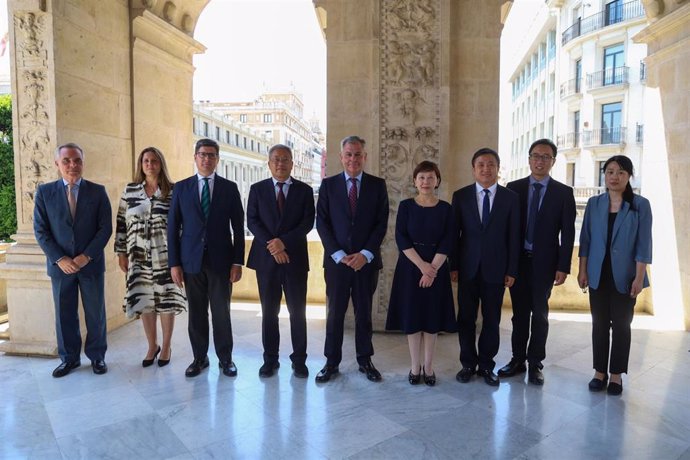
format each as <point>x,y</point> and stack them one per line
<point>165,362</point>
<point>413,379</point>
<point>148,362</point>
<point>430,380</point>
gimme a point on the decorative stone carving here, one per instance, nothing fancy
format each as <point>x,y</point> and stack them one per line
<point>32,107</point>
<point>410,108</point>
<point>653,8</point>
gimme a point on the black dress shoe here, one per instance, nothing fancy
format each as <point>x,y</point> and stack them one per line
<point>65,368</point>
<point>597,384</point>
<point>300,370</point>
<point>326,373</point>
<point>430,380</point>
<point>149,362</point>
<point>514,367</point>
<point>535,376</point>
<point>465,374</point>
<point>268,369</point>
<point>489,377</point>
<point>99,367</point>
<point>615,388</point>
<point>196,367</point>
<point>414,379</point>
<point>372,373</point>
<point>229,368</point>
<point>164,362</point>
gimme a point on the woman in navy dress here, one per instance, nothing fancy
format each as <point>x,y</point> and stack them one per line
<point>421,303</point>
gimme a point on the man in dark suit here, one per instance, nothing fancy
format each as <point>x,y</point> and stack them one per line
<point>280,213</point>
<point>204,256</point>
<point>547,232</point>
<point>72,224</point>
<point>485,263</point>
<point>352,218</point>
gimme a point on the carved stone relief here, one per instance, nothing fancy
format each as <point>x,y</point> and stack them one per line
<point>35,157</point>
<point>410,107</point>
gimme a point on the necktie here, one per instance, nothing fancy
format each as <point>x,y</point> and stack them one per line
<point>205,198</point>
<point>71,199</point>
<point>533,209</point>
<point>352,196</point>
<point>486,208</point>
<point>281,198</point>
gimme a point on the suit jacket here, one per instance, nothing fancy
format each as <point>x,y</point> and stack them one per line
<point>292,227</point>
<point>336,226</point>
<point>59,235</point>
<point>190,235</point>
<point>494,250</point>
<point>554,232</point>
<point>631,241</point>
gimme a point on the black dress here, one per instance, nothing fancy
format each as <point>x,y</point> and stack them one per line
<point>429,230</point>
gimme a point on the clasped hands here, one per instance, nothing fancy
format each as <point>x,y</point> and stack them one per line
<point>71,266</point>
<point>428,274</point>
<point>277,249</point>
<point>355,261</point>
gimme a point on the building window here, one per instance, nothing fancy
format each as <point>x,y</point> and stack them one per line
<point>268,118</point>
<point>258,147</point>
<point>206,129</point>
<point>613,12</point>
<point>570,174</point>
<point>217,133</point>
<point>614,58</point>
<point>252,144</point>
<point>244,142</point>
<point>611,123</point>
<point>194,125</point>
<point>576,129</point>
<point>227,136</point>
<point>243,118</point>
<point>237,140</point>
<point>600,167</point>
<point>578,75</point>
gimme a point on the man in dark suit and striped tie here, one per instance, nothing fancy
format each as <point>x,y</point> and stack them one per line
<point>280,213</point>
<point>204,256</point>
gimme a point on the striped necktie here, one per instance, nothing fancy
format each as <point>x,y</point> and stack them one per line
<point>205,198</point>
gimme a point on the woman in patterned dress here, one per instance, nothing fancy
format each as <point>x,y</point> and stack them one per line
<point>142,249</point>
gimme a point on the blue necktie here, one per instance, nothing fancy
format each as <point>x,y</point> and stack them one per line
<point>486,208</point>
<point>205,198</point>
<point>533,209</point>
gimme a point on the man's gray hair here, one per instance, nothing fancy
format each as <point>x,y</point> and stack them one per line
<point>352,140</point>
<point>279,147</point>
<point>69,145</point>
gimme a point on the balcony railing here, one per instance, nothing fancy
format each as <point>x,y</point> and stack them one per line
<point>612,15</point>
<point>570,87</point>
<point>605,136</point>
<point>608,77</point>
<point>569,141</point>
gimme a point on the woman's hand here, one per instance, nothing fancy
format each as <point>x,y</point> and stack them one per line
<point>583,280</point>
<point>427,269</point>
<point>636,287</point>
<point>123,262</point>
<point>426,281</point>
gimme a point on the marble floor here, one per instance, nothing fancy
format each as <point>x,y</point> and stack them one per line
<point>152,413</point>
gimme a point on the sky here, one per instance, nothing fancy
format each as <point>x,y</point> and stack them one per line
<point>261,45</point>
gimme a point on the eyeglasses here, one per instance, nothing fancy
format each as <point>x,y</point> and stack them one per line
<point>281,160</point>
<point>543,158</point>
<point>207,155</point>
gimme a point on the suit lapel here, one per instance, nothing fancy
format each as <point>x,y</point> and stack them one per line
<point>194,190</point>
<point>61,193</point>
<point>622,214</point>
<point>270,197</point>
<point>472,200</point>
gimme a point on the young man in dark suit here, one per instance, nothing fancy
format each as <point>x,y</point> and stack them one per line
<point>486,259</point>
<point>280,213</point>
<point>204,256</point>
<point>352,218</point>
<point>547,233</point>
<point>72,224</point>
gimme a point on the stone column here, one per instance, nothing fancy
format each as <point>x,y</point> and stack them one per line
<point>666,164</point>
<point>418,79</point>
<point>113,76</point>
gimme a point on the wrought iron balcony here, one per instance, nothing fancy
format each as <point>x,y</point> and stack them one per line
<point>613,14</point>
<point>571,87</point>
<point>569,141</point>
<point>608,77</point>
<point>605,136</point>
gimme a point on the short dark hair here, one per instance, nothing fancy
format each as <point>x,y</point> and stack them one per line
<point>352,140</point>
<point>544,141</point>
<point>427,166</point>
<point>626,165</point>
<point>69,145</point>
<point>486,151</point>
<point>279,147</point>
<point>206,143</point>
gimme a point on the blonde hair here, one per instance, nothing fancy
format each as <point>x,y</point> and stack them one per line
<point>164,181</point>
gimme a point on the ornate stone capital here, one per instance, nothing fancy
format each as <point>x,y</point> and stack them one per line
<point>182,14</point>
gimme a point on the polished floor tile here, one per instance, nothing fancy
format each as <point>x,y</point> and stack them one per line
<point>158,413</point>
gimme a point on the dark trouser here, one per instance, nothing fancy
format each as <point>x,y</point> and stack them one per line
<point>530,299</point>
<point>66,289</point>
<point>612,311</point>
<point>470,293</point>
<point>202,288</point>
<point>272,282</point>
<point>342,283</point>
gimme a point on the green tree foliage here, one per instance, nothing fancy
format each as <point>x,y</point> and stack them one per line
<point>8,208</point>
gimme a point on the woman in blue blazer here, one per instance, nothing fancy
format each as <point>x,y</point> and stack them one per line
<point>615,248</point>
